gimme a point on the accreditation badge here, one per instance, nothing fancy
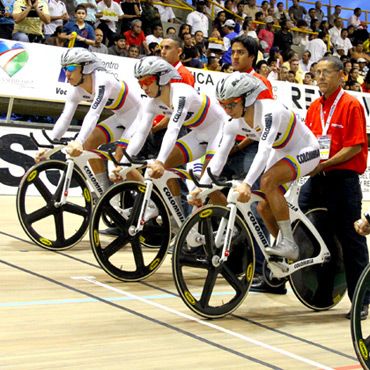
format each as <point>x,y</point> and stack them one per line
<point>324,143</point>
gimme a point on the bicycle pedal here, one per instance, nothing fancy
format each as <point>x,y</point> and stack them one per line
<point>276,259</point>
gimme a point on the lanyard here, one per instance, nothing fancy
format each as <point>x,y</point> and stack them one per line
<point>325,126</point>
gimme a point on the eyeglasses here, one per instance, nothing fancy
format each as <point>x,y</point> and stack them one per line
<point>71,67</point>
<point>325,72</point>
<point>147,82</point>
<point>231,104</point>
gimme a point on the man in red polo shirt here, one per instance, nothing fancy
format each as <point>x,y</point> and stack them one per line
<point>136,36</point>
<point>338,120</point>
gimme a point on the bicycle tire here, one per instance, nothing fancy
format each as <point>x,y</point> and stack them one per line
<point>361,342</point>
<point>124,257</point>
<point>320,286</point>
<point>43,179</point>
<point>195,275</point>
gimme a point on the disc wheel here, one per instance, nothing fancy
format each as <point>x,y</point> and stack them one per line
<point>360,330</point>
<point>125,257</point>
<point>209,289</point>
<point>321,286</point>
<point>48,225</point>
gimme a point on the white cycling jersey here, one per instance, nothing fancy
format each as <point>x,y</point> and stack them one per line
<point>188,108</point>
<point>281,136</point>
<point>108,92</point>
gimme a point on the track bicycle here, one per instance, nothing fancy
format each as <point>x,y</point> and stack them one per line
<point>67,188</point>
<point>146,218</point>
<point>215,280</point>
<point>360,329</point>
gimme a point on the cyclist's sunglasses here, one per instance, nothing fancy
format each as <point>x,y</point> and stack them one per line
<point>147,82</point>
<point>71,67</point>
<point>231,104</point>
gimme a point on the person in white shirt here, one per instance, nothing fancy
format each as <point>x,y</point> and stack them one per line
<point>354,20</point>
<point>109,14</point>
<point>58,14</point>
<point>198,20</point>
<point>317,47</point>
<point>305,63</point>
<point>343,42</point>
<point>334,32</point>
<point>166,12</point>
<point>156,36</point>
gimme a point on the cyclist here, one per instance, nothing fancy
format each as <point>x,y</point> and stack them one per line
<point>93,83</point>
<point>186,107</point>
<point>286,151</point>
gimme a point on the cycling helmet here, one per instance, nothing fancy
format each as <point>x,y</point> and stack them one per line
<point>89,61</point>
<point>238,84</point>
<point>156,66</point>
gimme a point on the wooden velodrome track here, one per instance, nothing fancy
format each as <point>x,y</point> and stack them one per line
<point>61,310</point>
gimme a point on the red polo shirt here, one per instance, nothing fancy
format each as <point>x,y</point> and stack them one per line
<point>187,76</point>
<point>347,128</point>
<point>134,40</point>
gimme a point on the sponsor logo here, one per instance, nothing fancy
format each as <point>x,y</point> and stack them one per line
<point>174,204</point>
<point>291,206</point>
<point>258,229</point>
<point>303,263</point>
<point>12,59</point>
<point>99,97</point>
<point>268,124</point>
<point>182,101</point>
<point>93,179</point>
<point>305,157</point>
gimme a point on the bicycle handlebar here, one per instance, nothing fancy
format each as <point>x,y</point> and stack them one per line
<point>226,184</point>
<point>197,183</point>
<point>132,161</point>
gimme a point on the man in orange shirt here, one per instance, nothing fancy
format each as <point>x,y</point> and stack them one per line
<point>338,120</point>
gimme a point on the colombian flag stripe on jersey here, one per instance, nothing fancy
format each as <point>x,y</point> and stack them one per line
<point>121,98</point>
<point>201,115</point>
<point>288,133</point>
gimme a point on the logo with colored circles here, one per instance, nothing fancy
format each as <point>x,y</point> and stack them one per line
<point>12,58</point>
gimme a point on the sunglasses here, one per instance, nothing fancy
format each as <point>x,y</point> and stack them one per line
<point>231,104</point>
<point>71,67</point>
<point>147,82</point>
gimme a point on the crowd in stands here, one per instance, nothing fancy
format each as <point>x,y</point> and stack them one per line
<point>291,41</point>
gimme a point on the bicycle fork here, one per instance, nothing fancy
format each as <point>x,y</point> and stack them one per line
<point>67,182</point>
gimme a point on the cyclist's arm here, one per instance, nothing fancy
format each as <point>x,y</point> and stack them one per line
<point>103,89</point>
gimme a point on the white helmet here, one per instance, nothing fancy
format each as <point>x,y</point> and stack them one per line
<point>156,66</point>
<point>238,84</point>
<point>89,61</point>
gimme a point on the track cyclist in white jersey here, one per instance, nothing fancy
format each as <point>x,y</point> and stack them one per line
<point>287,150</point>
<point>185,106</point>
<point>93,83</point>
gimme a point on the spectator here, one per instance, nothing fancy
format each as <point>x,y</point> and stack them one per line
<point>29,17</point>
<point>133,51</point>
<point>273,6</point>
<point>227,68</point>
<point>354,76</point>
<point>166,12</point>
<point>156,36</point>
<point>154,49</point>
<point>291,77</point>
<point>198,20</point>
<point>271,13</point>
<point>240,9</point>
<point>317,47</point>
<point>109,15</point>
<point>366,85</point>
<point>324,26</point>
<point>335,184</point>
<point>251,9</point>
<point>194,58</point>
<point>228,5</point>
<point>343,41</point>
<point>305,62</point>
<point>296,12</point>
<point>58,16</point>
<point>313,68</point>
<point>136,36</point>
<point>264,8</point>
<point>131,11</point>
<point>311,15</point>
<point>184,28</point>
<point>351,34</point>
<point>347,68</point>
<point>353,85</point>
<point>170,31</point>
<point>91,10</point>
<point>362,63</point>
<point>99,47</point>
<point>229,29</point>
<point>335,31</point>
<point>358,52</point>
<point>335,15</point>
<point>274,72</point>
<point>55,39</point>
<point>354,20</point>
<point>339,52</point>
<point>284,74</point>
<point>314,27</point>
<point>119,47</point>
<point>85,33</point>
<point>248,29</point>
<point>294,66</point>
<point>309,79</point>
<point>276,54</point>
<point>188,44</point>
<point>150,17</point>
<point>319,13</point>
<point>267,34</point>
<point>219,22</point>
<point>259,18</point>
<point>283,38</point>
<point>199,38</point>
<point>6,19</point>
<point>281,14</point>
<point>301,38</point>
